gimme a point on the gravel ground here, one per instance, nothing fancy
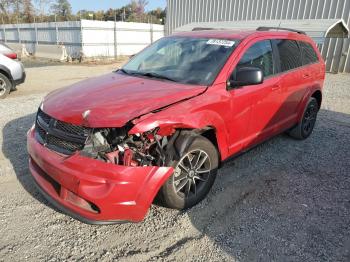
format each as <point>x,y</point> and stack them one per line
<point>285,200</point>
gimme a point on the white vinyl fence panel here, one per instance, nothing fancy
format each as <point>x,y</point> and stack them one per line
<point>92,38</point>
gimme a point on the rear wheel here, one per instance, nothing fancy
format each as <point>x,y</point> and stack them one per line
<point>194,175</point>
<point>304,129</point>
<point>5,86</point>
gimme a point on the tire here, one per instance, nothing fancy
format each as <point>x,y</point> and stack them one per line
<point>5,86</point>
<point>198,185</point>
<point>304,129</point>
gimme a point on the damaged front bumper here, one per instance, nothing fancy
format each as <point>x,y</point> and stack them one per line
<point>93,191</point>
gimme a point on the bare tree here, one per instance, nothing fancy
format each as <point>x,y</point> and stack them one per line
<point>43,6</point>
<point>141,6</point>
<point>63,9</point>
<point>5,10</point>
<point>28,11</point>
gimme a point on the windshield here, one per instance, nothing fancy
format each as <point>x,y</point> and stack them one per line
<point>182,59</point>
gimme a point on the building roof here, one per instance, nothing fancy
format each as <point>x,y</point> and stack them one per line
<point>210,33</point>
<point>318,29</point>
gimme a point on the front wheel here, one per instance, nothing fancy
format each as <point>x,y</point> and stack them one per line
<point>194,175</point>
<point>5,86</point>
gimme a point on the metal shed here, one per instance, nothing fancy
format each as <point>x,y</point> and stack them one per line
<point>336,51</point>
<point>318,29</point>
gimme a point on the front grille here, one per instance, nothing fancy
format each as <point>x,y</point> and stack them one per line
<point>59,136</point>
<point>71,129</point>
<point>60,143</point>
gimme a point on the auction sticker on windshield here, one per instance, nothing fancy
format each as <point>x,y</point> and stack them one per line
<point>220,42</point>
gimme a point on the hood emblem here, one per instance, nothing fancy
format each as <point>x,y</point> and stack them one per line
<point>86,114</point>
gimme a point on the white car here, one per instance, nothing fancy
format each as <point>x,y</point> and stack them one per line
<point>11,74</point>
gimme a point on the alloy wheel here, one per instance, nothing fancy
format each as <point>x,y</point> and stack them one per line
<point>192,173</point>
<point>2,87</point>
<point>309,119</point>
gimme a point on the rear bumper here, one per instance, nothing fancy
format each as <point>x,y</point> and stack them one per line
<point>92,191</point>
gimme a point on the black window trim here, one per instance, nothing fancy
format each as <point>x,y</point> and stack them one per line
<point>301,52</point>
<point>274,59</point>
<point>296,68</point>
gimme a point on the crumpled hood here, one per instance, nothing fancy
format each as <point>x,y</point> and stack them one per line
<point>114,99</point>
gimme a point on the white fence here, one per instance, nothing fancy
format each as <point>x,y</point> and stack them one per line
<point>92,38</point>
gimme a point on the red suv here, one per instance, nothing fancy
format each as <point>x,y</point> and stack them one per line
<point>105,149</point>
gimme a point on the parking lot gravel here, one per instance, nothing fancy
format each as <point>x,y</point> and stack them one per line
<point>284,200</point>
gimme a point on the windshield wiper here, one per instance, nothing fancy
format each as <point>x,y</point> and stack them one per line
<point>124,71</point>
<point>147,74</point>
<point>154,75</point>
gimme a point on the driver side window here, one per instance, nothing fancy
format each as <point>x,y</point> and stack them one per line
<point>259,55</point>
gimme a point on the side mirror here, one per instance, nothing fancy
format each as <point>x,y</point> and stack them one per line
<point>246,76</point>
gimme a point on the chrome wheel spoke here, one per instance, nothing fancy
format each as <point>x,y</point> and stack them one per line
<point>189,161</point>
<point>181,165</point>
<point>180,178</point>
<point>200,178</point>
<point>181,185</point>
<point>197,159</point>
<point>191,173</point>
<point>188,187</point>
<point>203,171</point>
<point>194,187</point>
<point>201,163</point>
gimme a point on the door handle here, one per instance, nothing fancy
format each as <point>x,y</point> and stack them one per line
<point>306,76</point>
<point>275,87</point>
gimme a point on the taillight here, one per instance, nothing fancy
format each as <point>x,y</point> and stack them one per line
<point>11,55</point>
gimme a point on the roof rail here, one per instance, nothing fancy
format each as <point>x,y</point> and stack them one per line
<point>202,28</point>
<point>267,28</point>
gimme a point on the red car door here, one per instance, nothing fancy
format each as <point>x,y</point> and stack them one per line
<point>266,96</point>
<point>294,80</point>
<point>262,101</point>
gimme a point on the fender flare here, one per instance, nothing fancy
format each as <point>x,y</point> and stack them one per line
<point>7,72</point>
<point>304,101</point>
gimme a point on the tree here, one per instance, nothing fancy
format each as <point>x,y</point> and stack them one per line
<point>157,16</point>
<point>63,9</point>
<point>43,6</point>
<point>28,11</point>
<point>141,6</point>
<point>23,11</point>
<point>5,10</point>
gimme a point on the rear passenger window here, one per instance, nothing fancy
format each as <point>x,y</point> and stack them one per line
<point>309,55</point>
<point>259,55</point>
<point>289,54</point>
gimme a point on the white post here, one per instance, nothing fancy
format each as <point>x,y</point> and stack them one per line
<point>115,37</point>
<point>151,32</point>
<point>36,32</point>
<point>81,54</point>
<point>4,34</point>
<point>3,28</point>
<point>19,32</point>
<point>57,40</point>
